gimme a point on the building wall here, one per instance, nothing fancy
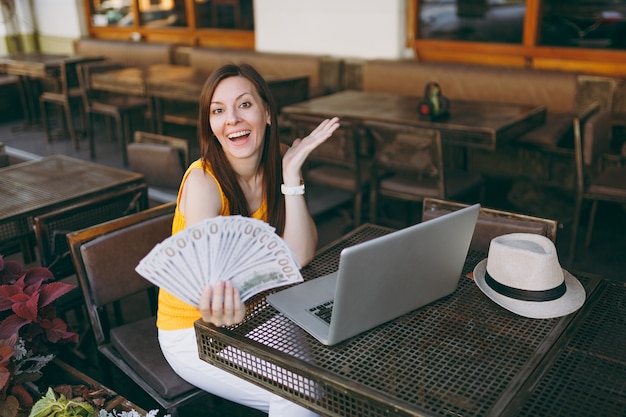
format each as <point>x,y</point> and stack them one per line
<point>59,22</point>
<point>347,28</point>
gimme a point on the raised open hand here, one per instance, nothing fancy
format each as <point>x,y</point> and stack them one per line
<point>301,148</point>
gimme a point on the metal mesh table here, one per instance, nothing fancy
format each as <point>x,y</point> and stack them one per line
<point>588,376</point>
<point>31,188</point>
<point>460,356</point>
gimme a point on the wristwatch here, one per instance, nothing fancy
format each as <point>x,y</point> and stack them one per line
<point>297,190</point>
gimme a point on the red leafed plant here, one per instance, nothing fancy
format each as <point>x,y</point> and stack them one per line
<point>29,330</point>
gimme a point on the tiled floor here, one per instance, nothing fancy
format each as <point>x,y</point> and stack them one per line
<point>606,255</point>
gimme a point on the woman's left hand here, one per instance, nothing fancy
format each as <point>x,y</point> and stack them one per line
<point>221,304</point>
<point>301,148</point>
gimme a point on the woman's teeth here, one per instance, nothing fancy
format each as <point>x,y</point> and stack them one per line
<point>237,135</point>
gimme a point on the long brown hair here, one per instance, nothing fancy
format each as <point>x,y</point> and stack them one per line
<point>271,161</point>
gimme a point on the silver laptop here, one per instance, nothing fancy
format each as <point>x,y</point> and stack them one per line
<point>382,279</point>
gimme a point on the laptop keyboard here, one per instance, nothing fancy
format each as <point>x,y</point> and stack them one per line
<point>323,311</point>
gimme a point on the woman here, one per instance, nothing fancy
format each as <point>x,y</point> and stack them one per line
<point>240,172</point>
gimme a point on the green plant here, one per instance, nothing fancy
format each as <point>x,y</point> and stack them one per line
<point>51,406</point>
<point>131,413</point>
<point>29,330</point>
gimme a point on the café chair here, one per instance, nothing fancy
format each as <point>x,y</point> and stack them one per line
<point>340,163</point>
<point>67,97</point>
<point>161,159</point>
<point>408,165</point>
<point>173,112</point>
<point>595,180</point>
<point>105,257</point>
<point>4,157</point>
<point>117,107</point>
<point>51,229</point>
<point>492,222</point>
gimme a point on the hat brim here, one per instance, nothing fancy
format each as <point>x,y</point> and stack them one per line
<point>571,301</point>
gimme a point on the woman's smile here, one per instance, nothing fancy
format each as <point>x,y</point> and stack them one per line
<point>239,137</point>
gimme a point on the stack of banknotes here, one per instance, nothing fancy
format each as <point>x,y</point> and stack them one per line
<point>243,250</point>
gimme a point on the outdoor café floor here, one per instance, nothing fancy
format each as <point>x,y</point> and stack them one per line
<point>606,256</point>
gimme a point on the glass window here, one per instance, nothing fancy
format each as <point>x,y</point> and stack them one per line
<point>111,13</point>
<point>224,14</point>
<point>162,13</point>
<point>499,21</point>
<point>585,24</point>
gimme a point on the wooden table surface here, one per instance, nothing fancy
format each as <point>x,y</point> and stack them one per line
<point>33,64</point>
<point>183,83</point>
<point>179,82</point>
<point>39,186</point>
<point>134,80</point>
<point>470,124</point>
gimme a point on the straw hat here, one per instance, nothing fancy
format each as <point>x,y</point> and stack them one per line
<point>522,273</point>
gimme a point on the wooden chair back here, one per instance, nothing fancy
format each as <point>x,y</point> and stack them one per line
<point>408,164</point>
<point>69,78</point>
<point>118,107</point>
<point>182,145</point>
<point>161,159</point>
<point>592,140</point>
<point>105,256</point>
<point>414,153</point>
<point>85,71</point>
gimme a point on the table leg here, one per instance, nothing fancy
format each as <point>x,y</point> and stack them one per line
<point>24,98</point>
<point>29,101</point>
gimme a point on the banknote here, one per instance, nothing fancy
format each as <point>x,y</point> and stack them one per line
<point>246,251</point>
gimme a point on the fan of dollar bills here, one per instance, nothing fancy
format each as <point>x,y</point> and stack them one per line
<point>241,249</point>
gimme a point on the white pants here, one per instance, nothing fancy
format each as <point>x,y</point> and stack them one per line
<point>181,352</point>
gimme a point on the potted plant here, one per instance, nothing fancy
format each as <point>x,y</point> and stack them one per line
<point>30,333</point>
<point>29,330</point>
<point>58,405</point>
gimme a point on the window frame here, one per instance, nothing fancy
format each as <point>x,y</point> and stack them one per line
<point>527,55</point>
<point>190,35</point>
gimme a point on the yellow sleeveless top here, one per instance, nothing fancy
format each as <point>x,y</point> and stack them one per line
<point>173,313</point>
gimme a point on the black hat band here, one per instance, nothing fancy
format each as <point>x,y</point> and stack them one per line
<point>525,295</point>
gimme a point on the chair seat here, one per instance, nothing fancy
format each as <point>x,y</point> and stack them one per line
<point>60,98</point>
<point>551,133</point>
<point>459,182</point>
<point>410,184</point>
<point>610,184</point>
<point>336,176</point>
<point>116,105</point>
<point>138,344</point>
